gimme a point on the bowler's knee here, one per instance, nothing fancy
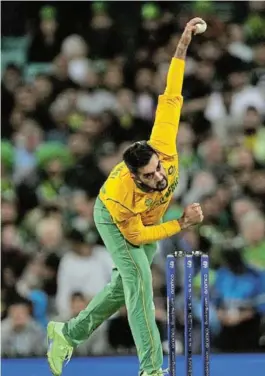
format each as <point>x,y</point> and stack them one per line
<point>138,278</point>
<point>116,283</point>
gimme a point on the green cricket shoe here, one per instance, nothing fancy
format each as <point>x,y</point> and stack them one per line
<point>59,350</point>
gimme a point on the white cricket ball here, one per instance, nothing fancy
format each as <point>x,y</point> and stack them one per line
<point>201,27</point>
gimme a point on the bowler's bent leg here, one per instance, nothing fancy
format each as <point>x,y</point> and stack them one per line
<point>101,307</point>
<point>133,266</point>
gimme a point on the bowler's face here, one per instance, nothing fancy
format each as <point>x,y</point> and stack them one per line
<point>153,175</point>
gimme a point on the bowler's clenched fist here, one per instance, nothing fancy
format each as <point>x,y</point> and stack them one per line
<point>192,216</point>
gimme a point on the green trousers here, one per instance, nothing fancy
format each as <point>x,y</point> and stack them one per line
<point>131,285</point>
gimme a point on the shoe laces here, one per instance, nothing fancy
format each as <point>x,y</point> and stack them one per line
<point>68,356</point>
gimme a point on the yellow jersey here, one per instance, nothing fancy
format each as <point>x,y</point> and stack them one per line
<point>137,213</point>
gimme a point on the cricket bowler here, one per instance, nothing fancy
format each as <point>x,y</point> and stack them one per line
<point>128,213</point>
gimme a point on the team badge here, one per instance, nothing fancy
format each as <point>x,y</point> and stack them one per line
<point>148,202</point>
<point>171,170</point>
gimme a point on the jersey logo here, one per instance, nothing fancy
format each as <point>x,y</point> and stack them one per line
<point>171,170</point>
<point>148,202</point>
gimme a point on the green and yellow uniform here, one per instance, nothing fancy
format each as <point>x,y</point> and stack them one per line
<point>128,220</point>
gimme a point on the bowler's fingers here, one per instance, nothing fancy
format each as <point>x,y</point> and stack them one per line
<point>194,21</point>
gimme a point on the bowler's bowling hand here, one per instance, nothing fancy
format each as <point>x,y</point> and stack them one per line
<point>192,216</point>
<point>190,29</point>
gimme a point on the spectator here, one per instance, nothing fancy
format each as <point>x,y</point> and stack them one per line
<point>94,269</point>
<point>13,263</point>
<point>258,64</point>
<point>238,289</point>
<point>256,188</point>
<point>254,133</point>
<point>9,211</point>
<point>237,46</point>
<point>59,77</point>
<point>252,226</point>
<point>96,100</point>
<point>80,215</point>
<point>49,234</point>
<point>43,90</point>
<point>202,80</point>
<point>11,237</point>
<point>29,286</point>
<point>75,50</point>
<point>237,97</point>
<point>77,176</point>
<point>49,280</point>
<point>26,103</point>
<point>21,335</point>
<point>213,157</point>
<point>203,183</point>
<point>153,32</point>
<point>243,94</point>
<point>101,34</point>
<point>7,165</point>
<point>11,79</point>
<point>27,140</point>
<point>108,157</point>
<point>52,189</point>
<point>46,42</point>
<point>240,207</point>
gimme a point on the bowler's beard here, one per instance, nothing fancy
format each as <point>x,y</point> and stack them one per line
<point>161,185</point>
<point>146,188</point>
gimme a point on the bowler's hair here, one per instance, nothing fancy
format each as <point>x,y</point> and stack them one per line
<point>138,155</point>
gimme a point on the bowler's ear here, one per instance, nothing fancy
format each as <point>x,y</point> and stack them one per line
<point>135,178</point>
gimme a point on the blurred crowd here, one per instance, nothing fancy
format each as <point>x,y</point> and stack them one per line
<point>74,95</point>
